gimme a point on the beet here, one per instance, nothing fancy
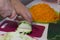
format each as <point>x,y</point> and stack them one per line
<point>11,26</point>
<point>37,31</point>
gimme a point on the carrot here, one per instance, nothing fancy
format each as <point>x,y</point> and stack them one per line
<point>43,13</point>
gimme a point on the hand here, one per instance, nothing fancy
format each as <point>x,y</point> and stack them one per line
<point>5,8</point>
<point>8,10</point>
<point>21,10</point>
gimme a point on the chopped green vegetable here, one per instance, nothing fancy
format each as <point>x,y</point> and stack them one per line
<point>24,27</point>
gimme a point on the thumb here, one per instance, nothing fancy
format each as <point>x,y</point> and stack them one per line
<point>13,15</point>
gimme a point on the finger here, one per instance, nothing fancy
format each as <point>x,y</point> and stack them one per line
<point>28,13</point>
<point>5,13</point>
<point>27,18</point>
<point>13,15</point>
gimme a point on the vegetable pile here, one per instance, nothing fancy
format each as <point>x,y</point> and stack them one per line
<point>43,13</point>
<point>20,34</point>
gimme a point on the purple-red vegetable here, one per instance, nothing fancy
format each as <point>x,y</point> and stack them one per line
<point>37,31</point>
<point>11,26</point>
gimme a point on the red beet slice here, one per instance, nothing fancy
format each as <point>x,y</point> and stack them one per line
<point>37,31</point>
<point>11,26</point>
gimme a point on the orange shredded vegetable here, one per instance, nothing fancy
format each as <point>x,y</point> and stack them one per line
<point>43,13</point>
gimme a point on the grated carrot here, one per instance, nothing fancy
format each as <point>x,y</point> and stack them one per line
<point>43,13</point>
